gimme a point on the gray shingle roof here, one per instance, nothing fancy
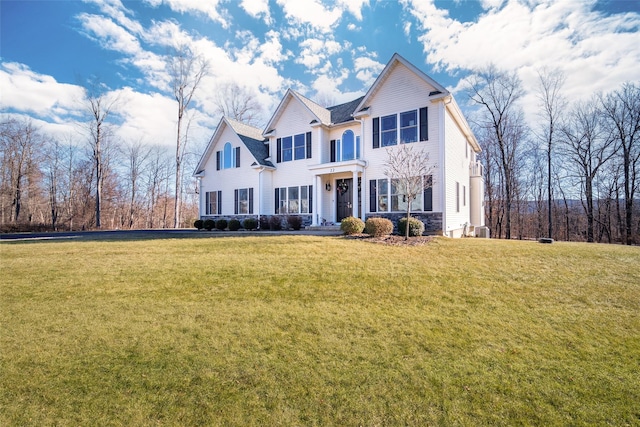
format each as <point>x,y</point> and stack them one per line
<point>253,140</point>
<point>343,113</point>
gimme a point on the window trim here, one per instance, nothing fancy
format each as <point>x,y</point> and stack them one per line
<point>283,203</point>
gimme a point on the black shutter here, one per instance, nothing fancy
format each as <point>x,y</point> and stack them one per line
<point>373,196</point>
<point>277,205</point>
<point>251,200</point>
<point>427,196</point>
<point>424,124</point>
<point>333,150</point>
<point>217,160</point>
<point>237,157</point>
<point>309,145</point>
<point>219,202</point>
<point>310,199</point>
<point>235,203</point>
<point>376,132</point>
<point>279,148</point>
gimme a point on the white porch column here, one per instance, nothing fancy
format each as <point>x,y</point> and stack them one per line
<point>317,200</point>
<point>356,209</point>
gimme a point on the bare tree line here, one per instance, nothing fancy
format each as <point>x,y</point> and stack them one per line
<point>575,177</point>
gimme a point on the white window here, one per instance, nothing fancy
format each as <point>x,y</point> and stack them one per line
<point>389,130</point>
<point>409,126</point>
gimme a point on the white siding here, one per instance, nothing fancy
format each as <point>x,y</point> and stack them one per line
<point>227,180</point>
<point>402,91</point>
<point>456,170</point>
<point>294,119</point>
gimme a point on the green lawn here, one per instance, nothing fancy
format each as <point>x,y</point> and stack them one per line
<point>320,331</point>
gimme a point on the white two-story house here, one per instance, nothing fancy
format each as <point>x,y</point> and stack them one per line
<point>325,164</point>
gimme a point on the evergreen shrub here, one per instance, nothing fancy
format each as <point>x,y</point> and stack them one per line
<point>234,225</point>
<point>416,227</point>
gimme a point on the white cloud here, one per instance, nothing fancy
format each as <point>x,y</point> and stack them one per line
<point>595,51</point>
<point>257,9</point>
<point>209,8</point>
<point>315,51</point>
<point>27,91</point>
<point>110,35</point>
<point>311,12</point>
<point>367,70</point>
<point>354,7</point>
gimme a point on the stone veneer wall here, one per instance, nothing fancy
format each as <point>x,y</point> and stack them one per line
<point>306,218</point>
<point>432,220</point>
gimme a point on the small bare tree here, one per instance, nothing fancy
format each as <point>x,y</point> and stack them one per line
<point>409,170</point>
<point>186,69</point>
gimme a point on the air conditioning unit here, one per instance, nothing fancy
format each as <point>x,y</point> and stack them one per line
<point>483,232</point>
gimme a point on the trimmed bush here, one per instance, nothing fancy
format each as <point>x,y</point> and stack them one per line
<point>351,225</point>
<point>234,225</point>
<point>249,224</point>
<point>221,224</point>
<point>199,224</point>
<point>378,227</point>
<point>209,224</point>
<point>264,223</point>
<point>416,227</point>
<point>294,222</point>
<point>275,223</point>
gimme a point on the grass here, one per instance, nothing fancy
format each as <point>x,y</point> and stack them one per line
<point>320,331</point>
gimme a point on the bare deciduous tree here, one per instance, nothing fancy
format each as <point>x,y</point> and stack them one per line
<point>186,70</point>
<point>238,103</point>
<point>100,105</point>
<point>622,110</point>
<point>498,92</point>
<point>552,105</point>
<point>410,172</point>
<point>588,146</point>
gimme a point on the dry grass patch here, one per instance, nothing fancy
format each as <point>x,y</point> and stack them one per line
<point>300,330</point>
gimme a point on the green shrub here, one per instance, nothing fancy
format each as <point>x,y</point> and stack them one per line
<point>378,227</point>
<point>351,225</point>
<point>416,227</point>
<point>294,222</point>
<point>264,223</point>
<point>234,225</point>
<point>221,224</point>
<point>209,224</point>
<point>199,224</point>
<point>249,224</point>
<point>275,223</point>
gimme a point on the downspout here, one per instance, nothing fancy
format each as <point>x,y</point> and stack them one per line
<point>443,173</point>
<point>259,194</point>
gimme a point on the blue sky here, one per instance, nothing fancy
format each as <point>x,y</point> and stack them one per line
<point>329,49</point>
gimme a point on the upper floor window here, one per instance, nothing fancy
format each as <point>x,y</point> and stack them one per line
<point>409,126</point>
<point>388,129</point>
<point>347,148</point>
<point>406,127</point>
<point>294,147</point>
<point>228,157</point>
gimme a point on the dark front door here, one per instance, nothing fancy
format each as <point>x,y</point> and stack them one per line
<point>344,197</point>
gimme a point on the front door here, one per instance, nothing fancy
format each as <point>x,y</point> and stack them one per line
<point>344,197</point>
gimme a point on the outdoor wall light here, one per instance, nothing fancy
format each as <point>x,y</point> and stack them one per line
<point>327,186</point>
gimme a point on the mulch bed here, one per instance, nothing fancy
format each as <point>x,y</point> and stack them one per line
<point>393,240</point>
